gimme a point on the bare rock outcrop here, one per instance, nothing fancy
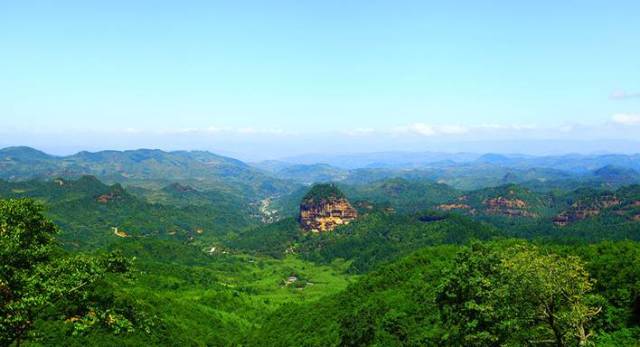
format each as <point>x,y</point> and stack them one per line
<point>588,208</point>
<point>324,208</point>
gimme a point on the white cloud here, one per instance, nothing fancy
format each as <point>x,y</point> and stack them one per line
<point>212,130</point>
<point>495,126</point>
<point>359,131</point>
<point>419,129</point>
<point>567,128</point>
<point>621,95</point>
<point>423,129</point>
<point>415,130</point>
<point>452,129</point>
<point>183,131</point>
<point>131,131</point>
<point>259,131</point>
<point>626,119</point>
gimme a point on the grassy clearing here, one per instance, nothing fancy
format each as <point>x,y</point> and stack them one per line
<point>231,294</point>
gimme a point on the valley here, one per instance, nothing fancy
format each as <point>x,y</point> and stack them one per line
<point>227,254</point>
<point>319,173</point>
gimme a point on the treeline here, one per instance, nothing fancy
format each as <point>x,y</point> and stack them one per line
<point>427,278</point>
<point>509,292</point>
<point>371,240</point>
<point>40,283</point>
<point>86,210</point>
<point>137,291</point>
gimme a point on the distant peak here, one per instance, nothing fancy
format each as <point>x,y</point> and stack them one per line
<point>493,158</point>
<point>608,169</point>
<point>24,152</point>
<point>89,179</point>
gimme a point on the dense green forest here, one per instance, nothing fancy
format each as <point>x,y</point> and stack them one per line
<point>88,211</point>
<point>143,167</point>
<point>141,248</point>
<point>485,294</point>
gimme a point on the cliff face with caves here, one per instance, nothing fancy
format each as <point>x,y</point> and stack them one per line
<point>324,208</point>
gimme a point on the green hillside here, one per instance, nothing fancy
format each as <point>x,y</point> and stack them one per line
<point>403,195</point>
<point>373,239</point>
<point>323,192</point>
<point>88,210</point>
<point>507,201</point>
<point>398,194</point>
<point>409,302</point>
<point>144,167</point>
<point>179,295</point>
<point>423,264</point>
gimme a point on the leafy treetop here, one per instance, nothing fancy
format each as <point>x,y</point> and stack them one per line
<point>323,191</point>
<point>36,278</point>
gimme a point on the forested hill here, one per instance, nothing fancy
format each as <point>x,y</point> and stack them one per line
<point>509,200</point>
<point>398,194</point>
<point>207,171</point>
<point>371,240</point>
<point>144,167</point>
<point>188,248</point>
<point>591,212</point>
<point>89,211</point>
<point>464,170</point>
<point>463,296</point>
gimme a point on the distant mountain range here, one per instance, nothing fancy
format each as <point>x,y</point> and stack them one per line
<point>381,159</point>
<point>488,170</point>
<point>148,168</point>
<point>144,167</point>
<point>569,162</point>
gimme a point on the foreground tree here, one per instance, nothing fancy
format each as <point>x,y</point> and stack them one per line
<point>472,300</point>
<point>555,290</point>
<point>516,296</point>
<point>35,275</point>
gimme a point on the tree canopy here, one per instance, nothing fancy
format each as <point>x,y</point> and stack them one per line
<point>36,276</point>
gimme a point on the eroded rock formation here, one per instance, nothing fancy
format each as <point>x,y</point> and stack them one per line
<point>324,208</point>
<point>508,207</point>
<point>449,207</point>
<point>588,208</point>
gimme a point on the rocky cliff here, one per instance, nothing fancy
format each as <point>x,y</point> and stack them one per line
<point>507,201</point>
<point>607,204</point>
<point>324,208</point>
<point>508,207</point>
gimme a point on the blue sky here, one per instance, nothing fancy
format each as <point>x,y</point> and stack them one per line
<point>279,76</point>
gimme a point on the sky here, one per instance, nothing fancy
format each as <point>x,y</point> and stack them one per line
<point>266,79</point>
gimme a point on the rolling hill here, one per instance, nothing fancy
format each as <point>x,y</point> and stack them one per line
<point>144,167</point>
<point>400,303</point>
<point>91,213</point>
<point>370,240</point>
